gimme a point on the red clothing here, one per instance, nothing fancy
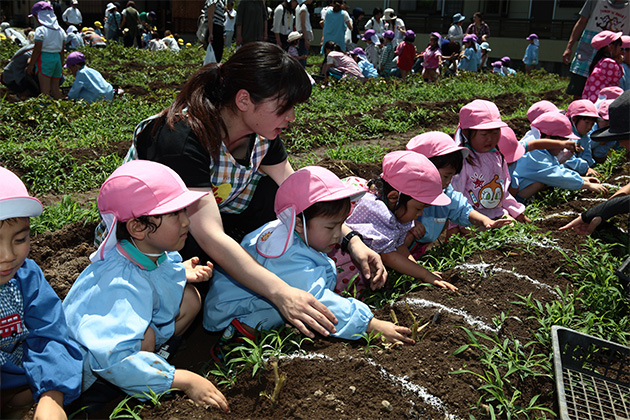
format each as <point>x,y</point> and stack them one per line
<point>605,74</point>
<point>406,53</point>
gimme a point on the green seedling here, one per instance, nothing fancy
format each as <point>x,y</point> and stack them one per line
<point>415,325</point>
<point>371,341</point>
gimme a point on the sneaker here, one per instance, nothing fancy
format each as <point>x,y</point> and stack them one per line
<point>232,336</point>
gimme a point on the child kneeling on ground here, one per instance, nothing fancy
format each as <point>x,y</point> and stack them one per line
<point>312,205</point>
<point>89,84</point>
<point>39,362</point>
<point>136,295</point>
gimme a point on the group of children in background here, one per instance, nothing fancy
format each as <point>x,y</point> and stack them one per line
<point>137,295</point>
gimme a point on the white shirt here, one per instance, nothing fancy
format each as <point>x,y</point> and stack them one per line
<point>230,19</point>
<point>73,16</point>
<point>379,27</point>
<point>280,26</point>
<point>308,30</point>
<point>455,33</point>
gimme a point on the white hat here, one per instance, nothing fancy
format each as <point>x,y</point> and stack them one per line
<point>389,14</point>
<point>293,36</point>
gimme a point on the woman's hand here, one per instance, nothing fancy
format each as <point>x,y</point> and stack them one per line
<point>301,309</point>
<point>581,227</point>
<point>196,273</point>
<point>368,262</point>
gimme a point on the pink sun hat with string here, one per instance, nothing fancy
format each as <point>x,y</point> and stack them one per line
<point>480,115</point>
<point>139,188</point>
<point>302,189</point>
<point>509,145</point>
<point>605,38</point>
<point>554,124</point>
<point>625,41</point>
<point>14,198</point>
<point>540,108</point>
<point>435,143</point>
<point>610,92</point>
<point>413,174</point>
<point>582,108</point>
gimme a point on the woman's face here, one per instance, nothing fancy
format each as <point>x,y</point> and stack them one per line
<point>476,19</point>
<point>264,118</point>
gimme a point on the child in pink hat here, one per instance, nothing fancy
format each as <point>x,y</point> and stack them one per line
<point>409,184</point>
<point>583,115</point>
<point>624,83</point>
<point>312,205</point>
<point>600,149</point>
<point>39,361</point>
<point>432,58</point>
<point>539,169</point>
<point>448,158</point>
<point>605,69</point>
<point>484,179</point>
<point>130,307</point>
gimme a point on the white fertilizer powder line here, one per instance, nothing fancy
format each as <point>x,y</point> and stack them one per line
<point>403,381</point>
<point>543,243</point>
<point>469,319</point>
<point>594,199</point>
<point>620,177</point>
<point>483,267</point>
<point>607,185</point>
<point>554,215</point>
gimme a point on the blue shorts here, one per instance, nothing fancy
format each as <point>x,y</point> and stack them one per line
<point>50,65</point>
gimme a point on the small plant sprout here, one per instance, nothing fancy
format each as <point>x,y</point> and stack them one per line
<point>279,381</point>
<point>392,314</point>
<point>414,326</point>
<point>370,342</point>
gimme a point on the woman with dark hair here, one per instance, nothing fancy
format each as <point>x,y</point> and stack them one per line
<point>222,135</point>
<point>376,21</point>
<point>479,28</point>
<point>283,22</point>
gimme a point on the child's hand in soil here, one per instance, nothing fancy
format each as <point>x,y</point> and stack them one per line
<point>196,273</point>
<point>436,279</point>
<point>391,332</point>
<point>418,230</point>
<point>522,218</point>
<point>199,389</point>
<point>50,406</point>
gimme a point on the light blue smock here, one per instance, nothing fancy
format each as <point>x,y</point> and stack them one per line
<point>90,86</point>
<point>542,166</point>
<point>531,55</point>
<point>435,217</point>
<point>600,150</point>
<point>585,142</point>
<point>624,82</point>
<point>109,308</point>
<point>469,60</point>
<point>300,266</point>
<point>367,69</point>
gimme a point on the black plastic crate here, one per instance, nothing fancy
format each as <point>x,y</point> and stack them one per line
<point>592,376</point>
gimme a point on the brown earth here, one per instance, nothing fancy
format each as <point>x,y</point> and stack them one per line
<point>339,379</point>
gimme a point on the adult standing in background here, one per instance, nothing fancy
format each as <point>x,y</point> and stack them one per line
<point>595,16</point>
<point>335,24</point>
<point>479,28</point>
<point>72,15</point>
<point>357,16</point>
<point>113,19</point>
<point>251,21</point>
<point>456,32</point>
<point>283,22</point>
<point>131,20</point>
<point>376,21</point>
<point>303,26</point>
<point>394,23</point>
<point>214,11</point>
<point>230,22</point>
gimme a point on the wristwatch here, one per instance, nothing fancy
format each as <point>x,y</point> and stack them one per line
<point>346,239</point>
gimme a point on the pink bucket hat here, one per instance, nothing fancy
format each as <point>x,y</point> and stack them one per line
<point>603,109</point>
<point>605,38</point>
<point>413,174</point>
<point>625,41</point>
<point>509,145</point>
<point>540,108</point>
<point>480,115</point>
<point>14,198</point>
<point>139,188</point>
<point>302,189</point>
<point>435,143</point>
<point>582,108</point>
<point>554,124</point>
<point>610,92</point>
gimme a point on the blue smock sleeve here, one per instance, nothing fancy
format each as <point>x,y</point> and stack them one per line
<point>541,166</point>
<point>577,164</point>
<point>51,360</point>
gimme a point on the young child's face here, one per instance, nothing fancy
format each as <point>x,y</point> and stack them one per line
<point>15,243</point>
<point>411,212</point>
<point>584,125</point>
<point>484,141</point>
<point>446,173</point>
<point>170,235</point>
<point>323,232</point>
